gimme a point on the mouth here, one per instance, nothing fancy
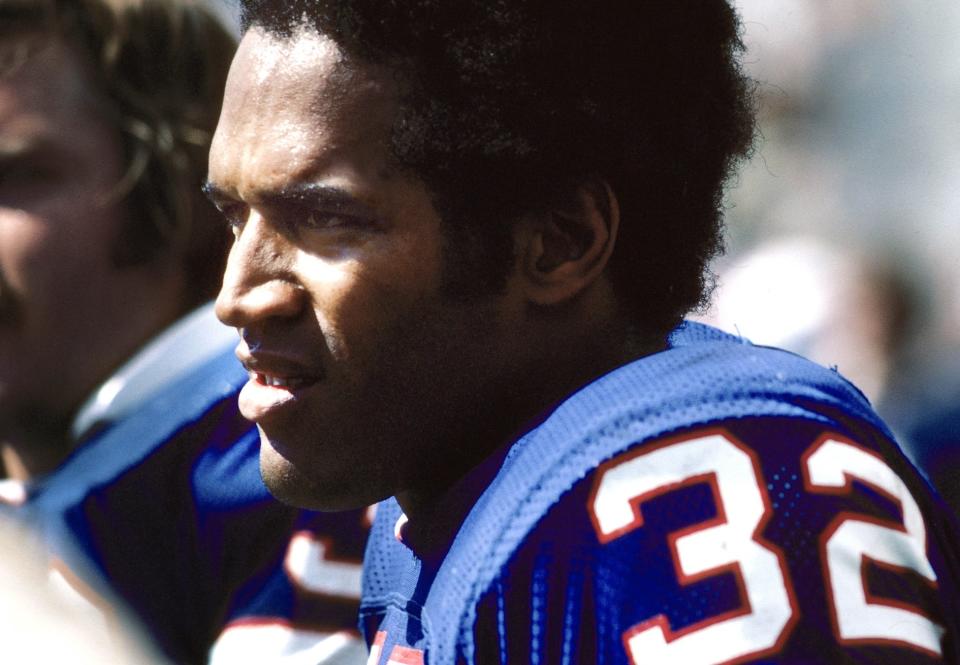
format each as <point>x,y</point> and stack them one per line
<point>267,396</point>
<point>289,383</point>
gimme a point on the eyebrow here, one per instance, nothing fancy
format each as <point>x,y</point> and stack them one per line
<point>307,195</point>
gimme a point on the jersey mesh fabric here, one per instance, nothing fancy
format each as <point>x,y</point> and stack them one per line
<point>563,597</point>
<point>704,377</point>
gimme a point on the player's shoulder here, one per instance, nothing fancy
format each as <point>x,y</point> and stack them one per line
<point>702,376</point>
<point>811,543</point>
<point>774,461</point>
<point>706,386</point>
<point>714,489</point>
<point>726,366</point>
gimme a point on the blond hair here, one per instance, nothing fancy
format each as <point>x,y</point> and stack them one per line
<point>160,67</point>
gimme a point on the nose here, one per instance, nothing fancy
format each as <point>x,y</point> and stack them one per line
<point>259,282</point>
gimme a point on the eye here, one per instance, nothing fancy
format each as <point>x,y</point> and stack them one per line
<point>235,217</point>
<point>316,219</point>
<point>298,219</point>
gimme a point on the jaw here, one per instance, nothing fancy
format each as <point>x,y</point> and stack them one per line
<point>327,483</point>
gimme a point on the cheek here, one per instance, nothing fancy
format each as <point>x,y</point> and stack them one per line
<point>69,293</point>
<point>47,260</point>
<point>361,304</point>
<point>332,288</point>
<point>57,284</point>
<point>39,265</point>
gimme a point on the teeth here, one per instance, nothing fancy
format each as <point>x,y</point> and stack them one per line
<point>280,382</point>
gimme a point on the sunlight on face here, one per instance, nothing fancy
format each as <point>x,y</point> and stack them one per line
<point>358,364</point>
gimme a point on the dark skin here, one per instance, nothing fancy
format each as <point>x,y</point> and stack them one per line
<point>367,380</point>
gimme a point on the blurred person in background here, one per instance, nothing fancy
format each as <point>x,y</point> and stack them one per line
<point>829,302</point>
<point>859,312</point>
<point>34,608</point>
<point>119,429</point>
<point>858,109</point>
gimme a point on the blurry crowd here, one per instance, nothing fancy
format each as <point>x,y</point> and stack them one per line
<point>120,438</point>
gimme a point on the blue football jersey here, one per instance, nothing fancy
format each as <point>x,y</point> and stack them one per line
<point>713,503</point>
<point>166,510</point>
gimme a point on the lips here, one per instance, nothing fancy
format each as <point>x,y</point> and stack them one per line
<point>287,382</point>
<point>276,383</point>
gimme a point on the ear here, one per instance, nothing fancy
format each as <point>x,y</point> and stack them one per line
<point>563,250</point>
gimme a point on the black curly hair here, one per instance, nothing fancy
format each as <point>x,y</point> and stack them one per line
<point>510,103</point>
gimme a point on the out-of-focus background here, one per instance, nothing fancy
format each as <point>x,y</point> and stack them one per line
<point>228,10</point>
<point>844,228</point>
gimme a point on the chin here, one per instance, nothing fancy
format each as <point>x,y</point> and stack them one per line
<point>298,487</point>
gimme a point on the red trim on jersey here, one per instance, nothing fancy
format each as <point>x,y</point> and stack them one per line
<point>327,543</point>
<point>284,622</point>
<point>405,656</point>
<point>898,570</point>
<point>329,548</point>
<point>866,560</point>
<point>246,622</point>
<point>734,568</point>
<point>399,655</point>
<point>640,451</point>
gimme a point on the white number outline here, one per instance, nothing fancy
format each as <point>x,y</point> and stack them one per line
<point>609,499</point>
<point>310,569</point>
<point>826,472</point>
<point>310,566</point>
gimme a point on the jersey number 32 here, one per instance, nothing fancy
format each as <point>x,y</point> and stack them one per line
<point>732,542</point>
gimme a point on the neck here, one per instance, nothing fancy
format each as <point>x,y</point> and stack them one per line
<point>34,450</point>
<point>521,403</point>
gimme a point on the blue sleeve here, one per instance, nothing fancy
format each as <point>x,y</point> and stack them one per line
<point>772,540</point>
<point>302,606</point>
<point>168,509</point>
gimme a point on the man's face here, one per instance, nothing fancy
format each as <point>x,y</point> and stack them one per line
<point>364,377</point>
<point>67,316</point>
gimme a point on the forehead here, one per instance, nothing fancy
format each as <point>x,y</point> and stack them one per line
<point>294,105</point>
<point>45,88</point>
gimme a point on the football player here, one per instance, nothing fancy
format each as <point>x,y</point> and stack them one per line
<point>465,236</point>
<point>118,420</point>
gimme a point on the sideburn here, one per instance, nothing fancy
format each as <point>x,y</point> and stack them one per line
<point>477,259</point>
